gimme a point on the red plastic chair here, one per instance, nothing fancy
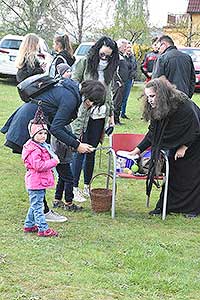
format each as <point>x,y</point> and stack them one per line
<point>127,142</point>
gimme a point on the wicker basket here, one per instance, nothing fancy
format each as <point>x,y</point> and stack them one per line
<point>101,199</point>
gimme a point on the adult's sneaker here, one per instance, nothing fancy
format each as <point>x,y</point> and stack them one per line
<point>48,233</point>
<point>72,207</point>
<point>86,190</point>
<point>52,216</point>
<point>78,195</point>
<point>57,203</point>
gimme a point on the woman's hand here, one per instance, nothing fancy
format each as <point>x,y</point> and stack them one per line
<point>180,152</point>
<point>111,121</point>
<point>85,148</point>
<point>135,151</point>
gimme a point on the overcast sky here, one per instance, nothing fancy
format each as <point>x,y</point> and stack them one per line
<point>159,10</point>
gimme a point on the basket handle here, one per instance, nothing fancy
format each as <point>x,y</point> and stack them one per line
<point>100,174</point>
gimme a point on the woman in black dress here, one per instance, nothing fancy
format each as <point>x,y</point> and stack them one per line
<point>174,127</point>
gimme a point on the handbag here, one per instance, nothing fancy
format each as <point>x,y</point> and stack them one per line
<point>35,85</point>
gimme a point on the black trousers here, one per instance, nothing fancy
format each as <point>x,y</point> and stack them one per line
<point>117,100</point>
<point>64,183</point>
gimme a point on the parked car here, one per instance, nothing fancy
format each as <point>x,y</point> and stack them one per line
<point>9,47</point>
<point>82,50</point>
<point>195,55</point>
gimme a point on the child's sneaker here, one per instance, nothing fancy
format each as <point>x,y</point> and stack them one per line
<point>78,195</point>
<point>48,233</point>
<point>57,203</point>
<point>72,207</point>
<point>31,229</point>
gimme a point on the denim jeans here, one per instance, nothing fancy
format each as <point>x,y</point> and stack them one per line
<point>127,89</point>
<point>35,215</point>
<point>64,183</point>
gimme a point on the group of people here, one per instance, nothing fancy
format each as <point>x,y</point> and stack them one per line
<point>85,102</point>
<point>77,111</point>
<point>60,105</point>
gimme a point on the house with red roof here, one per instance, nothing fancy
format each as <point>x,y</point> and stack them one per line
<point>185,28</point>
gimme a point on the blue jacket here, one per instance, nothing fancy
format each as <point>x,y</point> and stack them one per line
<point>60,105</point>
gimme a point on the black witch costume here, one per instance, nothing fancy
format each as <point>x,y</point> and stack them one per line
<point>180,127</point>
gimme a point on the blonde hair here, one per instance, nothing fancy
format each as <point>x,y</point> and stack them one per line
<point>27,51</point>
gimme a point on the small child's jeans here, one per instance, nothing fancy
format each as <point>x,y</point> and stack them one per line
<point>35,215</point>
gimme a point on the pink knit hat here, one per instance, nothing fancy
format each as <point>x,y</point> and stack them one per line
<point>38,123</point>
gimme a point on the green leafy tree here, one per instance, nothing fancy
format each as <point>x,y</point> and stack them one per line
<point>130,21</point>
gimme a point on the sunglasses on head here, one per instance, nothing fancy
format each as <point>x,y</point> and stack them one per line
<point>104,55</point>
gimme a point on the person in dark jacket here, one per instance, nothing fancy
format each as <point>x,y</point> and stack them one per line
<point>150,59</point>
<point>60,106</point>
<point>132,70</point>
<point>27,62</point>
<point>120,77</point>
<point>175,128</point>
<point>65,178</point>
<point>175,65</point>
<point>64,54</point>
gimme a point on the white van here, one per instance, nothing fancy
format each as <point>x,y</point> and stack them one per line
<point>9,47</point>
<point>82,50</point>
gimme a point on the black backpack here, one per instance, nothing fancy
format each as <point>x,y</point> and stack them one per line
<point>35,85</point>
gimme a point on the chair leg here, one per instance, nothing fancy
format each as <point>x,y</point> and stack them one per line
<point>112,152</point>
<point>164,211</point>
<point>147,201</point>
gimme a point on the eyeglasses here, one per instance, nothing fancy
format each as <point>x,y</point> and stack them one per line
<point>104,55</point>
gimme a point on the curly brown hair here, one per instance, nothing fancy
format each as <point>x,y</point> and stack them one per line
<point>168,98</point>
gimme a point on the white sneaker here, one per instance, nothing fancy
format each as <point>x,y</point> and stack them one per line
<point>52,216</point>
<point>86,190</point>
<point>78,195</point>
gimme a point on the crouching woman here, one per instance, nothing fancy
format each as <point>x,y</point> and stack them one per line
<point>174,127</point>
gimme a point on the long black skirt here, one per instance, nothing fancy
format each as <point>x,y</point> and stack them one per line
<point>184,182</point>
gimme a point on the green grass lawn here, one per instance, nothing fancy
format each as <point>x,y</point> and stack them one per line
<point>133,257</point>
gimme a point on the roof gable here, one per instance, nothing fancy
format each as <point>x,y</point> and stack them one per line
<point>193,6</point>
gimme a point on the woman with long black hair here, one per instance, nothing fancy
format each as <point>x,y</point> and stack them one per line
<point>100,64</point>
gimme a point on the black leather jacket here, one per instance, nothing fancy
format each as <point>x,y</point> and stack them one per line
<point>178,68</point>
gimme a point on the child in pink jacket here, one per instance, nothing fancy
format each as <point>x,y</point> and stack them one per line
<point>39,160</point>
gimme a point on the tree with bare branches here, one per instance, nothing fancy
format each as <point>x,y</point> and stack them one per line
<point>24,16</point>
